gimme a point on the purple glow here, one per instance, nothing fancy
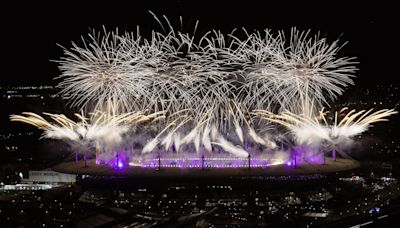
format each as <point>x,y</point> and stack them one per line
<point>213,162</point>
<point>122,158</point>
<point>119,160</point>
<point>317,158</point>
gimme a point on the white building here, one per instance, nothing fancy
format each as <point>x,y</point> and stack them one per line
<point>49,177</point>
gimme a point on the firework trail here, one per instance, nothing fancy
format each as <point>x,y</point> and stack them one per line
<point>312,130</point>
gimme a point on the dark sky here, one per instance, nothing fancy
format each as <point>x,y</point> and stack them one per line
<point>31,31</point>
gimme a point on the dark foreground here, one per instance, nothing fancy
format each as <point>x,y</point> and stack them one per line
<point>340,199</point>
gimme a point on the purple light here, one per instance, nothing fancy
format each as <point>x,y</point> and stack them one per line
<point>123,158</point>
<point>211,162</point>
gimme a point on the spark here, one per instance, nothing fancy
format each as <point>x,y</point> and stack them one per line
<point>97,126</point>
<point>311,130</point>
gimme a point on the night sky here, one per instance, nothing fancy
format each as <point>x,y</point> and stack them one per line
<point>30,32</point>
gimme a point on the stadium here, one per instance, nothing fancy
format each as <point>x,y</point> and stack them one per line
<point>226,102</point>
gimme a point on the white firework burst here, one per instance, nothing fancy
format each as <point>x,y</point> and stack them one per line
<point>98,128</point>
<point>314,130</point>
<point>290,74</point>
<point>112,72</point>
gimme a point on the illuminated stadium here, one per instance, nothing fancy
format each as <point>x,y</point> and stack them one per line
<point>225,101</point>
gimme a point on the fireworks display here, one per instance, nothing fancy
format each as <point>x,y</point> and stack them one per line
<point>180,98</point>
<point>308,130</point>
